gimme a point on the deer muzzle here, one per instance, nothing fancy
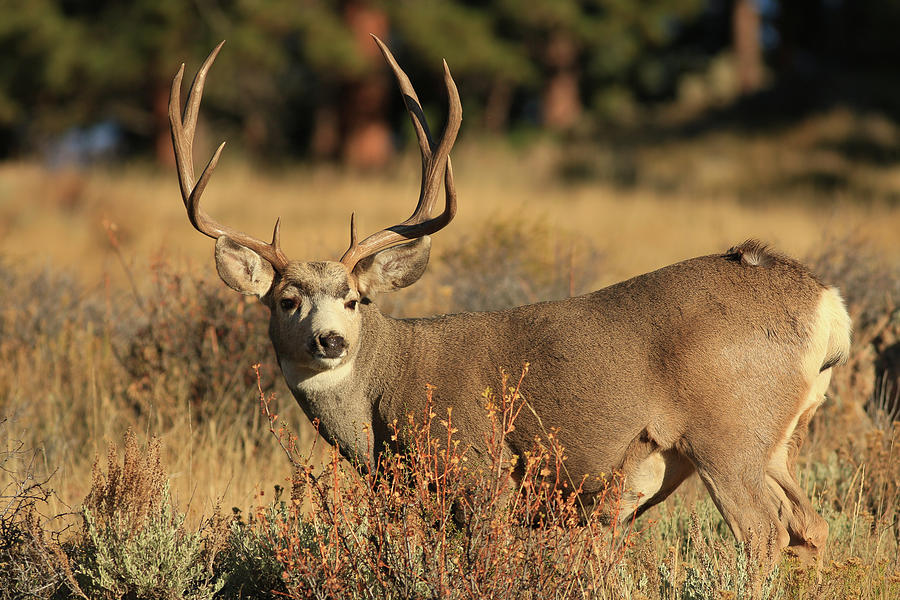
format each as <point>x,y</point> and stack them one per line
<point>328,345</point>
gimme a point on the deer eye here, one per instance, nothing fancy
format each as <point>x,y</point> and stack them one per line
<point>351,305</point>
<point>288,304</point>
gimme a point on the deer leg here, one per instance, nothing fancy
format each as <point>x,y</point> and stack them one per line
<point>676,469</point>
<point>741,495</point>
<point>651,474</point>
<point>743,500</point>
<point>808,530</point>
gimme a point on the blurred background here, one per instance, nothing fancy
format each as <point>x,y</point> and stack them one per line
<point>86,82</point>
<point>600,139</point>
<point>753,102</point>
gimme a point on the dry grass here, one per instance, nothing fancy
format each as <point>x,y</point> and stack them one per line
<point>81,368</point>
<point>56,218</point>
<point>91,349</point>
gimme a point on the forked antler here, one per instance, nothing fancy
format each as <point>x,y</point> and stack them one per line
<point>183,129</point>
<point>435,165</point>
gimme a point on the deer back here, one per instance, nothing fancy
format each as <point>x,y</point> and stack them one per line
<point>668,354</point>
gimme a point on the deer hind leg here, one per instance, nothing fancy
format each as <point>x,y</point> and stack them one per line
<point>808,530</point>
<point>676,468</point>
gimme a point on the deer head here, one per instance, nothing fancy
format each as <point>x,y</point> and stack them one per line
<point>315,306</point>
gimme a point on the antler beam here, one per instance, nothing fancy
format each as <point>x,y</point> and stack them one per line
<point>183,129</point>
<point>435,166</point>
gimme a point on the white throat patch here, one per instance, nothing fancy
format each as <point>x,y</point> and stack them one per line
<point>310,381</point>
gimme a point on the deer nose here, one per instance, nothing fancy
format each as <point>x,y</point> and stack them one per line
<point>331,344</point>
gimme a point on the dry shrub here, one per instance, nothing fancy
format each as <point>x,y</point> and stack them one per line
<point>32,561</point>
<point>194,342</point>
<point>129,492</point>
<point>433,519</point>
<point>880,459</point>
<point>133,542</point>
<point>174,352</point>
<point>865,492</point>
<point>510,263</point>
<point>21,491</point>
<point>42,304</point>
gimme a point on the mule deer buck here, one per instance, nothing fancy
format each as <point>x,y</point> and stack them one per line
<point>714,365</point>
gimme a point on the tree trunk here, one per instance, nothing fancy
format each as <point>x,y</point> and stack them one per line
<point>162,136</point>
<point>366,137</point>
<point>747,47</point>
<point>561,100</point>
<point>326,135</point>
<point>497,106</point>
<point>256,133</point>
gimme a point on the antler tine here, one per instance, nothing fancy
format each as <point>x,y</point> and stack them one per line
<point>413,106</point>
<point>435,165</point>
<point>434,172</point>
<point>183,130</point>
<point>432,153</point>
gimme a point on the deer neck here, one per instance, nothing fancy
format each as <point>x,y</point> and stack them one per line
<point>343,400</point>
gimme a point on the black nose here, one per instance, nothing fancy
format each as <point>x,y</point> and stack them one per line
<point>332,345</point>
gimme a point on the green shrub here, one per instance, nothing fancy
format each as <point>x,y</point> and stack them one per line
<point>134,543</point>
<point>248,564</point>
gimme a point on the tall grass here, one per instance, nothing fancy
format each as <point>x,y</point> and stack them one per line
<point>82,367</point>
<point>430,520</point>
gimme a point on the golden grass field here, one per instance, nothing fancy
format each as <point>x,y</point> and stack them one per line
<point>59,396</point>
<point>715,194</point>
<point>58,220</point>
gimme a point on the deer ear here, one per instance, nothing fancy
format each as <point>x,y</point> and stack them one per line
<point>393,268</point>
<point>242,269</point>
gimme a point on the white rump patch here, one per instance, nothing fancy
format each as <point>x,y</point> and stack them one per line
<point>829,342</point>
<point>830,336</point>
<point>840,325</point>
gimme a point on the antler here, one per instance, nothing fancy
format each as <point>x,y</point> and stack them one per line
<point>435,165</point>
<point>183,129</point>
